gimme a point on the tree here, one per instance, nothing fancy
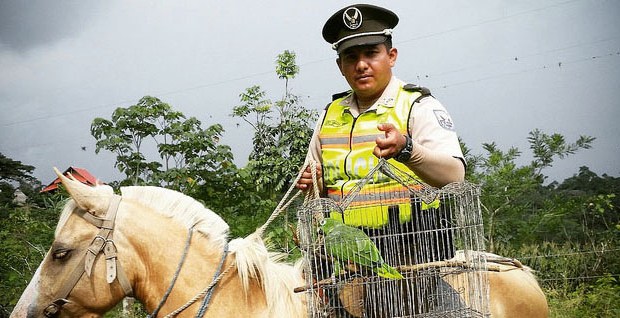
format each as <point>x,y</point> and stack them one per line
<point>16,175</point>
<point>14,170</point>
<point>545,147</point>
<point>281,130</point>
<point>281,134</point>
<point>286,68</point>
<point>512,196</point>
<point>125,133</point>
<point>187,153</point>
<point>585,210</point>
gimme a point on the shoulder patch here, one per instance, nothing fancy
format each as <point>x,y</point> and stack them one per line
<point>415,88</point>
<point>444,119</point>
<point>340,95</point>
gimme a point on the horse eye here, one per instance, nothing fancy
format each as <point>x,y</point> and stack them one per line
<point>60,254</point>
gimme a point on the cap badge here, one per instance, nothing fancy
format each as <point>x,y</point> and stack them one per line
<point>352,18</point>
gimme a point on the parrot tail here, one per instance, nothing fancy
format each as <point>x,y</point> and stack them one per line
<point>387,271</point>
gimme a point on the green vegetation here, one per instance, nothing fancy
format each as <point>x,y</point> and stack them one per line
<point>568,231</point>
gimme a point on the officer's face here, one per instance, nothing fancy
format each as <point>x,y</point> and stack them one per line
<point>367,69</point>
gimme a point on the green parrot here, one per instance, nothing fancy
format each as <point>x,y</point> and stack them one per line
<point>350,243</point>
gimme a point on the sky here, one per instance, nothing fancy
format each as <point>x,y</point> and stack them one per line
<point>502,68</point>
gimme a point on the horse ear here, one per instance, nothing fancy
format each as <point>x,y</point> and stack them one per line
<point>95,200</point>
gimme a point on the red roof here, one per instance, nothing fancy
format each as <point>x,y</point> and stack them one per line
<point>79,174</point>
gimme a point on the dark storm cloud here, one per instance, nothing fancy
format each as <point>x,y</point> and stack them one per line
<point>28,24</point>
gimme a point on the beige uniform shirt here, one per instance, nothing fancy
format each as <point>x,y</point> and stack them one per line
<point>430,125</point>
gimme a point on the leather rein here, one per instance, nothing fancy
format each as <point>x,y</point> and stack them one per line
<point>102,243</point>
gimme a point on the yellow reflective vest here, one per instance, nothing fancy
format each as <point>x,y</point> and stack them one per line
<point>347,145</point>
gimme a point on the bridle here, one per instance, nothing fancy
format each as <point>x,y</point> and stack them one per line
<point>102,242</point>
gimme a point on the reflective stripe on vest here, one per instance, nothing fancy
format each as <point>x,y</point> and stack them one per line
<point>347,144</point>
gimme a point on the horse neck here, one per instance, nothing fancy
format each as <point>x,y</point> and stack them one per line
<point>156,246</point>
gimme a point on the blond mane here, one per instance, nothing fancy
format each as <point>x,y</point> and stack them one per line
<point>166,202</point>
<point>181,208</point>
<point>278,279</point>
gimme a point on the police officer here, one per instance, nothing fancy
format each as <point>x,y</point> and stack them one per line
<point>380,117</point>
<point>419,135</point>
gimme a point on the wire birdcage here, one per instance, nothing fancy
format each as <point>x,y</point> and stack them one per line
<point>427,235</point>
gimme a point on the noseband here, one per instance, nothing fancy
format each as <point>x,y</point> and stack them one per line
<point>102,242</point>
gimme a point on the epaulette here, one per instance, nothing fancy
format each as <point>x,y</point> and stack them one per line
<point>415,88</point>
<point>340,95</point>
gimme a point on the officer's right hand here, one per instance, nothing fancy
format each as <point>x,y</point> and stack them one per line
<point>390,145</point>
<point>305,182</point>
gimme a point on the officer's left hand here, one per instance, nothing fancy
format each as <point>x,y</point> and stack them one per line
<point>305,181</point>
<point>392,144</point>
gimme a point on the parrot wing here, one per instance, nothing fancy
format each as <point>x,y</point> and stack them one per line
<point>350,243</point>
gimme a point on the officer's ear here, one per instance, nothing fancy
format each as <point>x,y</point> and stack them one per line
<point>392,55</point>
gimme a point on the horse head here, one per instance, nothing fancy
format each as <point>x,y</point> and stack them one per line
<point>85,230</point>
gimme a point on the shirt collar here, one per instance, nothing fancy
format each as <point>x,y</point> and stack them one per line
<point>387,99</point>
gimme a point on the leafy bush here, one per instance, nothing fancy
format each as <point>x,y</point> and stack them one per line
<point>25,233</point>
<point>600,299</point>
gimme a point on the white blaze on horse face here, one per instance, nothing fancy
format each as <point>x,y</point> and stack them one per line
<point>28,297</point>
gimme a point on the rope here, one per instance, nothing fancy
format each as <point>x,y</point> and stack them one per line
<point>284,203</point>
<point>202,293</point>
<point>205,303</point>
<point>176,274</point>
<point>315,183</point>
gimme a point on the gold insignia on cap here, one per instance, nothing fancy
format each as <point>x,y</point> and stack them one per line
<point>352,18</point>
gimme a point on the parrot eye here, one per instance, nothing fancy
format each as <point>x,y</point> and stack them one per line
<point>322,222</point>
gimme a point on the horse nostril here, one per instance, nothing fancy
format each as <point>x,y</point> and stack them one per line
<point>53,309</point>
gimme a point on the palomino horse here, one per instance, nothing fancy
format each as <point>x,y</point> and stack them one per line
<point>146,241</point>
<point>142,249</point>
